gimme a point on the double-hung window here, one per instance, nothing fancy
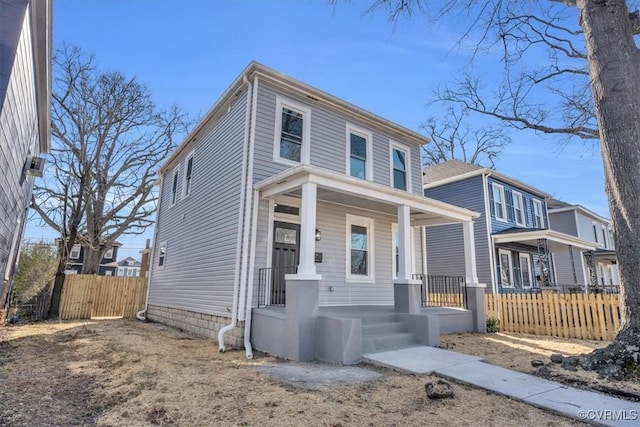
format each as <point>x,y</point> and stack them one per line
<point>162,253</point>
<point>174,187</point>
<point>400,167</point>
<point>108,254</point>
<point>518,208</point>
<point>291,144</point>
<point>538,218</point>
<point>359,152</point>
<point>497,191</point>
<point>188,173</point>
<point>360,256</point>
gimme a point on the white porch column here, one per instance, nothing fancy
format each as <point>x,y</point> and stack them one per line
<point>404,244</point>
<point>307,266</point>
<point>470,269</point>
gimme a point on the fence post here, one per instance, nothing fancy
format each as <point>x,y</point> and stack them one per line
<point>475,302</point>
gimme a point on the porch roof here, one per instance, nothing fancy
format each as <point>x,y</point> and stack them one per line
<point>606,255</point>
<point>556,241</point>
<point>346,190</point>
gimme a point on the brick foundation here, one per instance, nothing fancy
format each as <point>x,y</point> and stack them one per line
<point>204,325</point>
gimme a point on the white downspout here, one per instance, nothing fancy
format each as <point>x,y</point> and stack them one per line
<point>241,231</point>
<point>141,314</point>
<point>247,322</point>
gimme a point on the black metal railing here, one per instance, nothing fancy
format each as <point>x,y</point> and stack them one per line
<point>561,288</point>
<point>272,287</point>
<point>443,291</point>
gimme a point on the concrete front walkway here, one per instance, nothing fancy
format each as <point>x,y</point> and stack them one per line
<point>581,405</point>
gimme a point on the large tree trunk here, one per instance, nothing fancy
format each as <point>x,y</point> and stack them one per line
<point>91,261</point>
<point>614,67</point>
<point>58,284</point>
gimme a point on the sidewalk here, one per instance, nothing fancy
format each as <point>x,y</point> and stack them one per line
<point>581,405</point>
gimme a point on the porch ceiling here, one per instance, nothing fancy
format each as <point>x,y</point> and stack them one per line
<point>556,241</point>
<point>349,191</point>
<point>606,255</point>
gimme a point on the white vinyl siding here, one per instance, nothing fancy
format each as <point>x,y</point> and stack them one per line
<point>498,201</point>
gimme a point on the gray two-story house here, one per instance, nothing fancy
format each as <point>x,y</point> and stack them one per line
<point>25,98</point>
<point>596,270</point>
<point>289,218</point>
<point>515,247</point>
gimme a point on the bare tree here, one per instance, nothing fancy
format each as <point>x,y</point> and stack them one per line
<point>587,86</point>
<point>452,138</point>
<point>108,141</point>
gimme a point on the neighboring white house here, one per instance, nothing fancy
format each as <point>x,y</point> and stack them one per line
<point>289,217</point>
<point>25,98</point>
<point>128,267</point>
<point>597,269</point>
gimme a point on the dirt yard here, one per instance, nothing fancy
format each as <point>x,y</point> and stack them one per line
<point>129,373</point>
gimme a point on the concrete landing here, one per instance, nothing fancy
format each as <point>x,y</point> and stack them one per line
<point>591,407</point>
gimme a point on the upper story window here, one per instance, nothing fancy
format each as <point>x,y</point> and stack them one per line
<point>293,132</point>
<point>174,187</point>
<point>162,253</point>
<point>538,216</point>
<point>359,249</point>
<point>400,167</point>
<point>186,185</point>
<point>359,152</point>
<point>497,193</point>
<point>108,254</point>
<point>75,252</point>
<point>518,208</point>
<point>604,237</point>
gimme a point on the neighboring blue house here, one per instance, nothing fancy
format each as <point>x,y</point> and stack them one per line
<point>514,245</point>
<point>108,264</point>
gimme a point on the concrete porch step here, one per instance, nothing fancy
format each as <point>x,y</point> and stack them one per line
<point>377,318</point>
<point>385,342</point>
<point>386,328</point>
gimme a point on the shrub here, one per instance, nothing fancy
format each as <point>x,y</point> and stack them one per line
<point>493,324</point>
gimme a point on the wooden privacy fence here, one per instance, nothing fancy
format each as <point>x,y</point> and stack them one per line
<point>87,296</point>
<point>583,316</point>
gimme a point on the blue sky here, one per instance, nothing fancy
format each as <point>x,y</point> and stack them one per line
<point>188,51</point>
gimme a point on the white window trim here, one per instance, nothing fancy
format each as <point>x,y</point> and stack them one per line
<point>108,273</point>
<point>174,178</point>
<point>368,136</point>
<point>508,253</point>
<point>184,176</point>
<point>108,254</point>
<point>503,210</point>
<point>394,230</point>
<point>369,224</point>
<point>398,146</point>
<point>162,244</point>
<point>518,195</point>
<point>538,203</point>
<point>283,217</point>
<point>305,151</point>
<point>73,249</point>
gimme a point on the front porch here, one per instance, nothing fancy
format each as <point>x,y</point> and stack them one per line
<point>526,261</point>
<point>351,279</point>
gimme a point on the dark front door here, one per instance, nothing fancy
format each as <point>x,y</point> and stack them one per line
<point>286,241</point>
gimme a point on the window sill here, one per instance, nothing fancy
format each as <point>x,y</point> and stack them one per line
<point>286,162</point>
<point>360,280</point>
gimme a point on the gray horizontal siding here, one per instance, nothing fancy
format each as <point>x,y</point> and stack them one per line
<point>18,128</point>
<point>328,147</point>
<point>201,229</point>
<point>331,220</point>
<point>445,251</point>
<point>564,222</point>
<point>564,269</point>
